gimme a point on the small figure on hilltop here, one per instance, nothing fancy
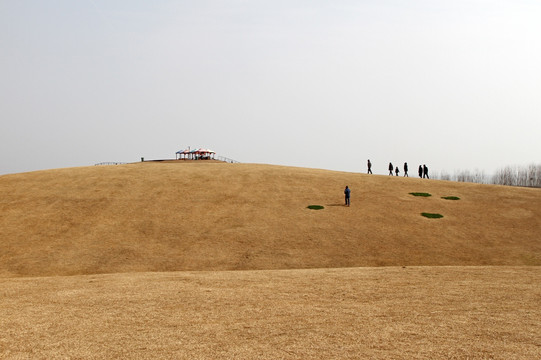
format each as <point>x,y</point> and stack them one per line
<point>396,171</point>
<point>425,172</point>
<point>406,169</point>
<point>420,171</point>
<point>391,168</point>
<point>347,193</point>
<point>369,167</point>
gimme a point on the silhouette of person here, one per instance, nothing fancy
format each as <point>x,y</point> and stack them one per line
<point>420,171</point>
<point>369,167</point>
<point>391,168</point>
<point>397,171</point>
<point>406,169</point>
<point>425,172</point>
<point>347,193</point>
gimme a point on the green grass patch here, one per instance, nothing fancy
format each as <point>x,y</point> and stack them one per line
<point>315,207</point>
<point>420,194</point>
<point>432,216</point>
<point>450,197</point>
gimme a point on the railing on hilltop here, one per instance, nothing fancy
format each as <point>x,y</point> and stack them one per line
<point>217,157</point>
<point>225,159</point>
<point>110,163</point>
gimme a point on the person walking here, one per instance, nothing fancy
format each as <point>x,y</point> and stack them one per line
<point>391,168</point>
<point>397,171</point>
<point>369,167</point>
<point>420,171</point>
<point>425,172</point>
<point>347,193</point>
<point>406,169</point>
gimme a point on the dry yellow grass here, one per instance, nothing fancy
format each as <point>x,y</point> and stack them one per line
<point>216,216</point>
<point>133,261</point>
<point>363,313</point>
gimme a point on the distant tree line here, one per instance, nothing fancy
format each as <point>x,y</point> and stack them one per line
<point>528,176</point>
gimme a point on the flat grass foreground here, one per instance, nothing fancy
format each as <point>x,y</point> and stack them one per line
<point>361,313</point>
<point>225,261</point>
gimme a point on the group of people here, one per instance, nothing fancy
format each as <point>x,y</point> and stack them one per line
<point>423,170</point>
<point>423,173</point>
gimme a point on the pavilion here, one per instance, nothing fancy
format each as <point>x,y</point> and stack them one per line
<point>199,154</point>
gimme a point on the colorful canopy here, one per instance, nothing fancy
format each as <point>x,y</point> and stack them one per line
<point>205,151</point>
<point>201,153</point>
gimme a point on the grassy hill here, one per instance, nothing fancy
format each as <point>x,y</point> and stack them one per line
<point>131,262</point>
<point>216,216</point>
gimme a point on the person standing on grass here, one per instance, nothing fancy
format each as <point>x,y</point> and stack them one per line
<point>425,172</point>
<point>347,193</point>
<point>391,168</point>
<point>369,167</point>
<point>397,171</point>
<point>420,171</point>
<point>406,169</point>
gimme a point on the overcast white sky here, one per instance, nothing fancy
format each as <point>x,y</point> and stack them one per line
<point>322,84</point>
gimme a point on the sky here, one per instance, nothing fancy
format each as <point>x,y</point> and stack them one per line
<point>455,85</point>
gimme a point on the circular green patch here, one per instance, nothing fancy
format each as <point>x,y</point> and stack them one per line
<point>315,207</point>
<point>450,197</point>
<point>420,194</point>
<point>432,216</point>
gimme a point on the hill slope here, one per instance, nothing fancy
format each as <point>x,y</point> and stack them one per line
<point>211,216</point>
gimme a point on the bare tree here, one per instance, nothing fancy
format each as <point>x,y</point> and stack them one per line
<point>529,176</point>
<point>519,176</point>
<point>443,175</point>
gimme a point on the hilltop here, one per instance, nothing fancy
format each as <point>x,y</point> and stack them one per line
<point>215,216</point>
<point>132,261</point>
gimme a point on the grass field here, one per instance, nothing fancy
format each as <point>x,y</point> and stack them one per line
<point>215,260</point>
